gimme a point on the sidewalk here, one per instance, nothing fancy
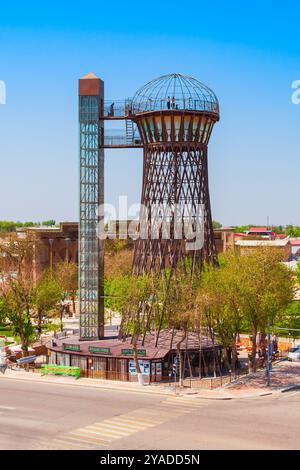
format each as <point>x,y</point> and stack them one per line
<point>157,389</point>
<point>283,376</point>
<point>85,382</point>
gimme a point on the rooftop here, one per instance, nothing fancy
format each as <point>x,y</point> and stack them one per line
<point>270,243</point>
<point>167,341</point>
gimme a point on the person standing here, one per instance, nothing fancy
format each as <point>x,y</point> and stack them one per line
<point>169,102</point>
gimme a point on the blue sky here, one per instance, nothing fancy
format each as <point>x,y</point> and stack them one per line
<point>248,52</point>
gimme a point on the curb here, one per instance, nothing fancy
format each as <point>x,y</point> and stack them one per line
<point>151,390</point>
<point>291,388</point>
<point>93,386</point>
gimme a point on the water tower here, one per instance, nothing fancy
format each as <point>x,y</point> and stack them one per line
<point>171,119</point>
<point>175,115</point>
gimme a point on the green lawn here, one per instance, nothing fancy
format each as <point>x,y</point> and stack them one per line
<point>5,331</point>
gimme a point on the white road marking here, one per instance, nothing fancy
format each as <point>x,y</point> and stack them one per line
<point>104,432</point>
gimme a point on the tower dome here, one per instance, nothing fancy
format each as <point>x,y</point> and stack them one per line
<point>176,92</point>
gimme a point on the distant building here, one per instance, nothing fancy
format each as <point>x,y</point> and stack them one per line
<point>52,245</point>
<point>295,244</point>
<point>261,232</point>
<point>284,246</point>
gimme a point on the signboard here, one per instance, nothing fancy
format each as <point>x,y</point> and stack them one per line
<point>94,349</point>
<point>129,352</point>
<point>144,365</point>
<point>71,347</point>
<point>60,370</point>
<point>158,369</point>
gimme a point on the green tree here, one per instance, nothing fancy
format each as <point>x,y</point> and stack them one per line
<point>298,274</point>
<point>219,305</point>
<point>267,288</point>
<point>48,223</point>
<point>290,320</point>
<point>131,296</point>
<point>17,288</point>
<point>293,231</point>
<point>47,295</point>
<point>216,225</point>
<point>18,299</point>
<point>66,274</point>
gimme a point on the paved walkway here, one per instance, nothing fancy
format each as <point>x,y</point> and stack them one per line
<point>284,375</point>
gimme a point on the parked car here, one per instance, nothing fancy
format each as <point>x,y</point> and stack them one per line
<point>294,354</point>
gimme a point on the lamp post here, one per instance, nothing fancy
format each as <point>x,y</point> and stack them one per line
<point>269,357</point>
<point>51,253</point>
<point>67,240</point>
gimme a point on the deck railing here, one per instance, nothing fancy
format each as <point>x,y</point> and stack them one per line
<point>119,109</point>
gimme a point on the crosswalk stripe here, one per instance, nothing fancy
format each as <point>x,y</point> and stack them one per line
<point>125,426</point>
<point>91,433</point>
<point>107,429</point>
<point>103,433</point>
<point>167,410</point>
<point>133,424</point>
<point>180,406</point>
<point>147,416</point>
<point>84,439</point>
<point>66,441</point>
<point>140,418</point>
<point>187,401</point>
<point>117,426</point>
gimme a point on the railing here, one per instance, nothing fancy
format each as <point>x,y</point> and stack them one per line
<point>185,104</point>
<point>121,141</point>
<point>115,109</point>
<point>211,383</point>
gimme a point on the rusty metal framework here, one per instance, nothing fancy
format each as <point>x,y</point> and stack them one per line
<point>175,116</point>
<point>175,179</point>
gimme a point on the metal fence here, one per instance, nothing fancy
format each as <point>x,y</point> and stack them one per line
<point>211,383</point>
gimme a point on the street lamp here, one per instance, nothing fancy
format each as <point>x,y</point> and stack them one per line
<point>269,357</point>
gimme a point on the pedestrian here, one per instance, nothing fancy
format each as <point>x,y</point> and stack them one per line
<point>173,102</point>
<point>169,102</point>
<point>112,111</point>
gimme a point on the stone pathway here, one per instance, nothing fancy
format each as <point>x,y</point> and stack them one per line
<point>283,375</point>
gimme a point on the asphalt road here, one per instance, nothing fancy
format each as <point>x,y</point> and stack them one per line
<point>54,416</point>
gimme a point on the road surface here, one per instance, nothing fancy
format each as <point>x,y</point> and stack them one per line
<point>54,416</point>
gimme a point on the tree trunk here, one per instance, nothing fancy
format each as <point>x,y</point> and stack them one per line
<point>180,361</point>
<point>234,358</point>
<point>136,362</point>
<point>264,347</point>
<point>61,318</point>
<point>253,358</point>
<point>39,322</point>
<point>189,363</point>
<point>24,345</point>
<point>74,305</point>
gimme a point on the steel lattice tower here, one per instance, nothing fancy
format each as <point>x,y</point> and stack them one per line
<point>91,278</point>
<point>175,115</point>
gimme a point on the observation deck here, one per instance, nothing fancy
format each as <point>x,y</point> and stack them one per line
<point>126,110</point>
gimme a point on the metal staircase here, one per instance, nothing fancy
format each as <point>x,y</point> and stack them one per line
<point>129,131</point>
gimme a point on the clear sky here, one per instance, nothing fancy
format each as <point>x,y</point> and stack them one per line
<point>247,51</point>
